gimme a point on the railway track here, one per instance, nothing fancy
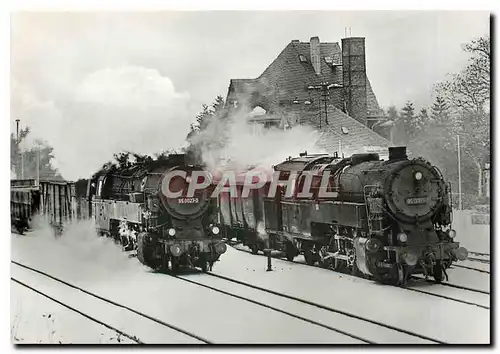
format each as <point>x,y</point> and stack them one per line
<point>456,297</point>
<point>474,259</point>
<point>358,327</point>
<point>147,329</point>
<point>471,268</point>
<point>479,257</point>
<point>466,295</point>
<point>213,316</point>
<point>71,308</point>
<point>479,253</point>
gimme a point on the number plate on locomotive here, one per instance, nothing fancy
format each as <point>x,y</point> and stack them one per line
<point>416,201</point>
<point>187,200</point>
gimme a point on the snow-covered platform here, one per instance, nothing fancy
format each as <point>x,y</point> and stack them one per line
<point>304,305</point>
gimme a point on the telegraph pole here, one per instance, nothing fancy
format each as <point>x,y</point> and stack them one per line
<point>38,164</point>
<point>324,89</point>
<point>17,131</point>
<point>19,147</point>
<point>459,175</point>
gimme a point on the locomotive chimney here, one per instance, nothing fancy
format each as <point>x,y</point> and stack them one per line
<point>354,77</point>
<point>397,153</point>
<point>315,55</point>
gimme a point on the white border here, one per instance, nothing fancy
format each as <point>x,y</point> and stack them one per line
<point>195,5</point>
<point>151,5</point>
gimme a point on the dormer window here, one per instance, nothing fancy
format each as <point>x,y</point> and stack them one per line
<point>345,130</point>
<point>302,58</point>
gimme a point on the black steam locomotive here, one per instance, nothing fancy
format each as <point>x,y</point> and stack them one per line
<point>130,205</point>
<point>381,219</point>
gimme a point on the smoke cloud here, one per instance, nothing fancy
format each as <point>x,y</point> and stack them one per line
<point>77,254</point>
<point>111,110</point>
<point>246,145</point>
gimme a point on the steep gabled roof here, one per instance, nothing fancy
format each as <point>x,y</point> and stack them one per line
<point>372,102</point>
<point>287,78</point>
<point>354,137</point>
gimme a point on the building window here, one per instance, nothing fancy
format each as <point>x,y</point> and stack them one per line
<point>302,58</point>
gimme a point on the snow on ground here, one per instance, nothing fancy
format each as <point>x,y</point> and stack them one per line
<point>36,319</point>
<point>133,325</point>
<point>427,315</point>
<point>475,264</point>
<point>369,332</point>
<point>476,238</point>
<point>469,278</point>
<point>79,253</point>
<point>102,268</point>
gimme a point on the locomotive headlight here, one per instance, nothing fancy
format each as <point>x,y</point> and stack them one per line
<point>171,232</point>
<point>215,230</point>
<point>452,233</point>
<point>410,258</point>
<point>175,250</point>
<point>402,237</point>
<point>418,176</point>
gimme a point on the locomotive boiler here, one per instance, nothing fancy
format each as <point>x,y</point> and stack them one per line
<point>380,219</point>
<point>133,205</point>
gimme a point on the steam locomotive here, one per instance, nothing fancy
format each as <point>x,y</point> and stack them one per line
<point>381,219</point>
<point>130,204</point>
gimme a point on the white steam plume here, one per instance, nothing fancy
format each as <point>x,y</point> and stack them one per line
<point>111,110</point>
<point>77,254</point>
<point>251,145</point>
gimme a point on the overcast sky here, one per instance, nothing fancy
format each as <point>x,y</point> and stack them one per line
<point>64,63</point>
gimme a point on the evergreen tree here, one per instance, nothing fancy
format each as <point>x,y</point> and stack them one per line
<point>440,112</point>
<point>405,122</point>
<point>421,120</point>
<point>392,113</point>
<point>407,117</point>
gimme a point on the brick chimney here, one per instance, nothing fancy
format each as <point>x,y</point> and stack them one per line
<point>354,77</point>
<point>315,55</point>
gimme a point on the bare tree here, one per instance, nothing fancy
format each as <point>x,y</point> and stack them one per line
<point>468,94</point>
<point>469,90</point>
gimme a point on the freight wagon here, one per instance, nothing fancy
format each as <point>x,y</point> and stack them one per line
<point>54,200</point>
